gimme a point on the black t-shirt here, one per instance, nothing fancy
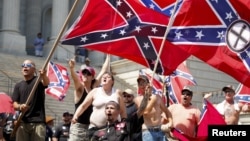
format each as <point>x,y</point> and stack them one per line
<point>49,133</point>
<point>61,132</point>
<point>36,112</point>
<point>134,124</point>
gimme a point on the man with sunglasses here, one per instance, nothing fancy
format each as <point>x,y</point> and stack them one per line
<point>83,85</point>
<point>32,125</point>
<point>134,123</point>
<point>185,116</point>
<point>229,108</point>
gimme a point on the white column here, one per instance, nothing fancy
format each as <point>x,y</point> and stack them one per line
<point>33,22</point>
<point>60,10</point>
<point>10,39</point>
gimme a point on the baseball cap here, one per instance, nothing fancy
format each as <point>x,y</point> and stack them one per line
<point>187,89</point>
<point>143,77</point>
<point>89,69</point>
<point>129,92</point>
<point>228,87</point>
<point>66,114</point>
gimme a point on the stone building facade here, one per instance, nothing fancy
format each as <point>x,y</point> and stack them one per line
<point>21,20</point>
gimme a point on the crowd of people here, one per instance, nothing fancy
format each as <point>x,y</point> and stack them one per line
<point>104,113</point>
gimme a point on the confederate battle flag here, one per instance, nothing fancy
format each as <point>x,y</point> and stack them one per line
<point>128,29</point>
<point>215,31</point>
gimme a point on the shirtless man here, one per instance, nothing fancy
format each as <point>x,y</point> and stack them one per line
<point>151,107</point>
<point>229,108</point>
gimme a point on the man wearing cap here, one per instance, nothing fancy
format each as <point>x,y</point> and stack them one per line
<point>61,132</point>
<point>134,123</point>
<point>151,107</point>
<point>185,116</point>
<point>229,108</point>
<point>128,96</point>
<point>87,81</point>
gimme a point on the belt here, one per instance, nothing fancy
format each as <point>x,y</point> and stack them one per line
<point>153,129</point>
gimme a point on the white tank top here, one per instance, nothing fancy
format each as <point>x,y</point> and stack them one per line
<point>98,117</point>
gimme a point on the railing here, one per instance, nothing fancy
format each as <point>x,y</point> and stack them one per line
<point>7,83</point>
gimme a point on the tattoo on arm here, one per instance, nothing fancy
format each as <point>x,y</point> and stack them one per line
<point>143,104</point>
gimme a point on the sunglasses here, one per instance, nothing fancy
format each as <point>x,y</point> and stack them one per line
<point>28,65</point>
<point>187,94</point>
<point>128,96</point>
<point>229,92</point>
<point>85,72</point>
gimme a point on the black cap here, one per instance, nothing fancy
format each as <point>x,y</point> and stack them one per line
<point>66,114</point>
<point>228,87</point>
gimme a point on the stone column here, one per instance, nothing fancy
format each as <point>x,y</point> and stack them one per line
<point>60,10</point>
<point>33,23</point>
<point>10,39</point>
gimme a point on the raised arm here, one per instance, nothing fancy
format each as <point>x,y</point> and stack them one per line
<point>122,105</point>
<point>74,76</point>
<point>104,69</point>
<point>44,78</point>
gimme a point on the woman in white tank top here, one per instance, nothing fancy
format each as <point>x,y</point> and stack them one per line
<point>98,97</point>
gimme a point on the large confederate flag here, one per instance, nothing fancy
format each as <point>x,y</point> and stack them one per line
<point>200,28</point>
<point>127,29</point>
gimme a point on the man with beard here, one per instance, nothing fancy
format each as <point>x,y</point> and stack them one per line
<point>115,130</point>
<point>185,116</point>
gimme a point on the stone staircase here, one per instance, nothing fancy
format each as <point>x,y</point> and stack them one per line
<point>10,74</point>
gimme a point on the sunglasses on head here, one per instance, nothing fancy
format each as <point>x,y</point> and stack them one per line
<point>85,72</point>
<point>28,65</point>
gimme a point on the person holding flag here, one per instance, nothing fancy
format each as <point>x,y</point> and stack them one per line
<point>150,106</point>
<point>32,127</point>
<point>229,108</point>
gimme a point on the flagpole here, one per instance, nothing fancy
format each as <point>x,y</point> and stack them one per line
<point>170,23</point>
<point>44,66</point>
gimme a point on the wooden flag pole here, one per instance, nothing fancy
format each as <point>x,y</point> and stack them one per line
<point>44,67</point>
<point>170,23</point>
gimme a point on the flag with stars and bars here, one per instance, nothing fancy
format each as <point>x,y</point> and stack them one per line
<point>215,31</point>
<point>59,81</point>
<point>127,29</point>
<point>175,82</point>
<point>243,94</point>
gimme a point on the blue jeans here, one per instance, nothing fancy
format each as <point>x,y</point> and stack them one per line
<point>149,135</point>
